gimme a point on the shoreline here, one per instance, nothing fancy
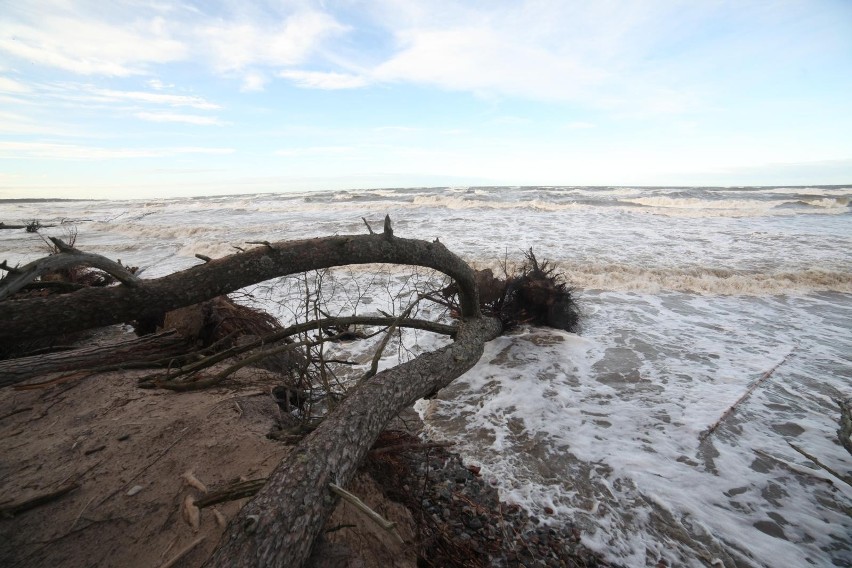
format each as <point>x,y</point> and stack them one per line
<point>132,456</point>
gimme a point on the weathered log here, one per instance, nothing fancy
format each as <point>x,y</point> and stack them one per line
<point>69,257</point>
<point>96,307</point>
<point>148,349</point>
<point>278,527</point>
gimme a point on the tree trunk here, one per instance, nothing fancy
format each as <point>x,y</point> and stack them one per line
<point>97,307</point>
<point>278,527</point>
<point>148,349</point>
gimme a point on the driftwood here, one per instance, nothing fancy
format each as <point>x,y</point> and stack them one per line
<point>33,502</point>
<point>84,309</point>
<point>68,257</point>
<point>278,526</point>
<point>31,227</point>
<point>148,349</point>
<point>169,381</point>
<point>730,410</point>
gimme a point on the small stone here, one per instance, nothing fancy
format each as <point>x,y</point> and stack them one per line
<point>548,510</point>
<point>473,523</point>
<point>134,490</point>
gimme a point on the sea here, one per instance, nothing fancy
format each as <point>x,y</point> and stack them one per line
<point>695,301</point>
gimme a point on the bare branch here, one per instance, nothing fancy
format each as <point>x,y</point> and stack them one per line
<point>83,310</point>
<point>69,258</point>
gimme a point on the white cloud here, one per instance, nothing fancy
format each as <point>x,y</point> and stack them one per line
<point>182,118</point>
<point>579,125</point>
<point>112,95</point>
<point>235,46</point>
<point>46,150</point>
<point>87,45</point>
<point>480,59</point>
<point>17,123</point>
<point>158,85</point>
<point>122,40</point>
<point>11,86</point>
<point>253,82</point>
<point>315,151</point>
<point>323,80</point>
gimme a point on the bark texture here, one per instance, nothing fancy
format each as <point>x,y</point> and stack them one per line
<point>69,258</point>
<point>148,349</point>
<point>96,307</point>
<point>278,527</point>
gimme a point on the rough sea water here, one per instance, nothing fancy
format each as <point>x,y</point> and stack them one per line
<point>690,296</point>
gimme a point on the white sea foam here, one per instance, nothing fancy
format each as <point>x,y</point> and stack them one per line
<point>605,428</point>
<point>451,202</point>
<point>696,207</point>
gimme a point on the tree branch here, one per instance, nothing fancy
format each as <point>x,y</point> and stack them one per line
<point>289,512</point>
<point>84,309</point>
<point>68,258</point>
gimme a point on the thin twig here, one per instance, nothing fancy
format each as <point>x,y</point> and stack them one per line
<point>80,514</point>
<point>374,367</point>
<point>33,502</point>
<point>176,558</point>
<point>844,478</point>
<point>712,428</point>
<point>361,506</point>
<point>147,467</point>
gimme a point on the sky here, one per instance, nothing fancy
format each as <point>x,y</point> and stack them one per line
<point>157,98</point>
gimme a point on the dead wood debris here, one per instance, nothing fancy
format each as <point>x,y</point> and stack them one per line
<point>537,294</point>
<point>38,500</point>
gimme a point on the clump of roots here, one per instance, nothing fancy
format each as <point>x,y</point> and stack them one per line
<point>537,294</point>
<point>217,320</point>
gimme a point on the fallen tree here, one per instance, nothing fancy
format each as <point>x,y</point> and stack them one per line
<point>124,353</point>
<point>96,307</point>
<point>278,527</point>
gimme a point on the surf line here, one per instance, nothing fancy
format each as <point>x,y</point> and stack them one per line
<point>712,428</point>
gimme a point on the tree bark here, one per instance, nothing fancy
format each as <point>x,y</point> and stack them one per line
<point>278,527</point>
<point>96,307</point>
<point>148,349</point>
<point>68,258</point>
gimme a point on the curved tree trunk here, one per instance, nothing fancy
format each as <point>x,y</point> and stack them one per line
<point>278,527</point>
<point>96,307</point>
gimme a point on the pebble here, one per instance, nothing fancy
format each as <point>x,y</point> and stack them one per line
<point>465,509</point>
